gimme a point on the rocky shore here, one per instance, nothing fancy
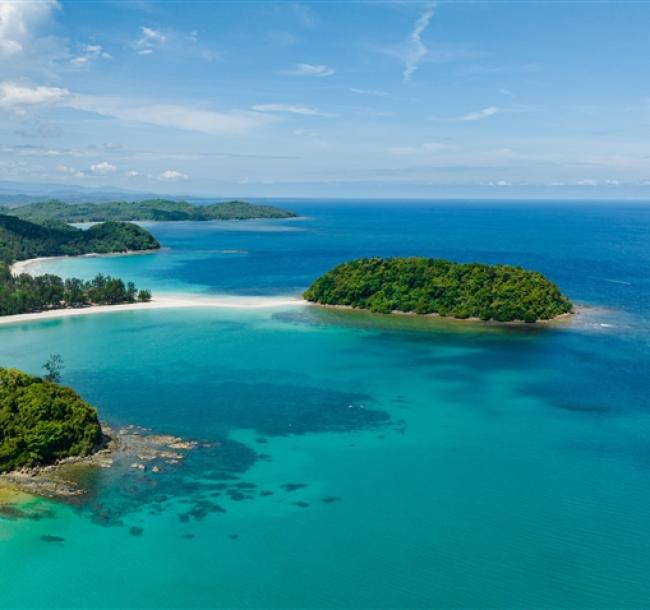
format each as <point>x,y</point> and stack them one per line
<point>131,447</point>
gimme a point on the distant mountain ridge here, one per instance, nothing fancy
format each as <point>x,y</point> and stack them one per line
<point>149,209</point>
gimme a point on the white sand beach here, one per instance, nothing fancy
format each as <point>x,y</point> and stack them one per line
<point>32,265</point>
<point>165,301</point>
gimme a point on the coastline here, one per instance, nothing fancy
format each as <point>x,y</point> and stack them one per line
<point>27,265</point>
<point>562,318</point>
<point>170,301</point>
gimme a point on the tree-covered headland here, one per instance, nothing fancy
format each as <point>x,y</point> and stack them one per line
<point>42,422</point>
<point>434,286</point>
<point>20,239</point>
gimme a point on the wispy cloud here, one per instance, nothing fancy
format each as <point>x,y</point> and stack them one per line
<point>291,109</point>
<point>210,122</point>
<point>480,114</point>
<point>310,70</point>
<point>372,92</point>
<point>416,50</point>
<point>149,40</point>
<point>14,95</point>
<point>89,53</point>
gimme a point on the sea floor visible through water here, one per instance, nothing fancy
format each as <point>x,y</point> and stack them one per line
<point>346,460</point>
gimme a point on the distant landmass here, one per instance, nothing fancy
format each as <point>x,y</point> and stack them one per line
<point>434,286</point>
<point>21,239</point>
<point>42,422</point>
<point>150,209</point>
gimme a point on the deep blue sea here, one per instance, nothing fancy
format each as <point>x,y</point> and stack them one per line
<point>349,460</point>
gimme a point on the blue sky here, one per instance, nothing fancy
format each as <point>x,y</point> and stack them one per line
<point>333,99</point>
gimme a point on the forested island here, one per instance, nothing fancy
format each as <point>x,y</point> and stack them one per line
<point>42,422</point>
<point>150,209</point>
<point>20,240</point>
<point>434,286</point>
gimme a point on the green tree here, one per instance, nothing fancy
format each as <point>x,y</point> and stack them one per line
<point>54,366</point>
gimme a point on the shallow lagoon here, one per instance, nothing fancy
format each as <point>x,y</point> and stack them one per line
<point>411,464</point>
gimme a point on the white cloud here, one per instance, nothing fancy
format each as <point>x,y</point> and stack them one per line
<point>69,171</point>
<point>132,173</point>
<point>501,183</point>
<point>304,110</point>
<point>416,51</point>
<point>373,92</point>
<point>310,70</point>
<point>149,40</point>
<point>103,168</point>
<point>172,115</point>
<point>90,52</point>
<point>613,182</point>
<point>481,114</point>
<point>172,175</point>
<point>507,92</point>
<point>19,20</point>
<point>14,95</point>
<point>587,182</point>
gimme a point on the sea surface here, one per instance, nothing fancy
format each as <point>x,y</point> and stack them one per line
<point>349,460</point>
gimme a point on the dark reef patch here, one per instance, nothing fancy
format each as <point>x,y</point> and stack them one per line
<point>293,486</point>
<point>11,512</point>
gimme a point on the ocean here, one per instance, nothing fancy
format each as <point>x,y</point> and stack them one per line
<point>348,460</point>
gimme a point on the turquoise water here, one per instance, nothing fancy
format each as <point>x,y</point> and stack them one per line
<point>463,466</point>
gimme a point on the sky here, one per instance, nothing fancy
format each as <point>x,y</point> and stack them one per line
<point>328,99</point>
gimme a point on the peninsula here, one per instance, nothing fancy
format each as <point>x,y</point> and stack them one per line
<point>148,210</point>
<point>20,240</point>
<point>42,422</point>
<point>424,286</point>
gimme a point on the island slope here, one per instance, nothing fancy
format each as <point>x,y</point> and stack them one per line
<point>150,209</point>
<point>21,239</point>
<point>434,286</point>
<point>42,422</point>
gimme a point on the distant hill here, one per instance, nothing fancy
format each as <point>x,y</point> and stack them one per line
<point>150,209</point>
<point>21,239</point>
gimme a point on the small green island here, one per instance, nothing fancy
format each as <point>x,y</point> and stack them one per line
<point>502,293</point>
<point>147,210</point>
<point>42,423</point>
<point>21,240</point>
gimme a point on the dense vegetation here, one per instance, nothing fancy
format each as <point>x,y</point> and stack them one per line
<point>151,209</point>
<point>20,239</point>
<point>42,422</point>
<point>426,286</point>
<point>27,294</point>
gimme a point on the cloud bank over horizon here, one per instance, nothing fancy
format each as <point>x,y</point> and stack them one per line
<point>417,99</point>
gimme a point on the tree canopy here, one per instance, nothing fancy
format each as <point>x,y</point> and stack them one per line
<point>149,209</point>
<point>21,239</point>
<point>42,422</point>
<point>28,294</point>
<point>436,286</point>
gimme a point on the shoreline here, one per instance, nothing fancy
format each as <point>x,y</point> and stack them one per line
<point>26,266</point>
<point>562,318</point>
<point>169,301</point>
